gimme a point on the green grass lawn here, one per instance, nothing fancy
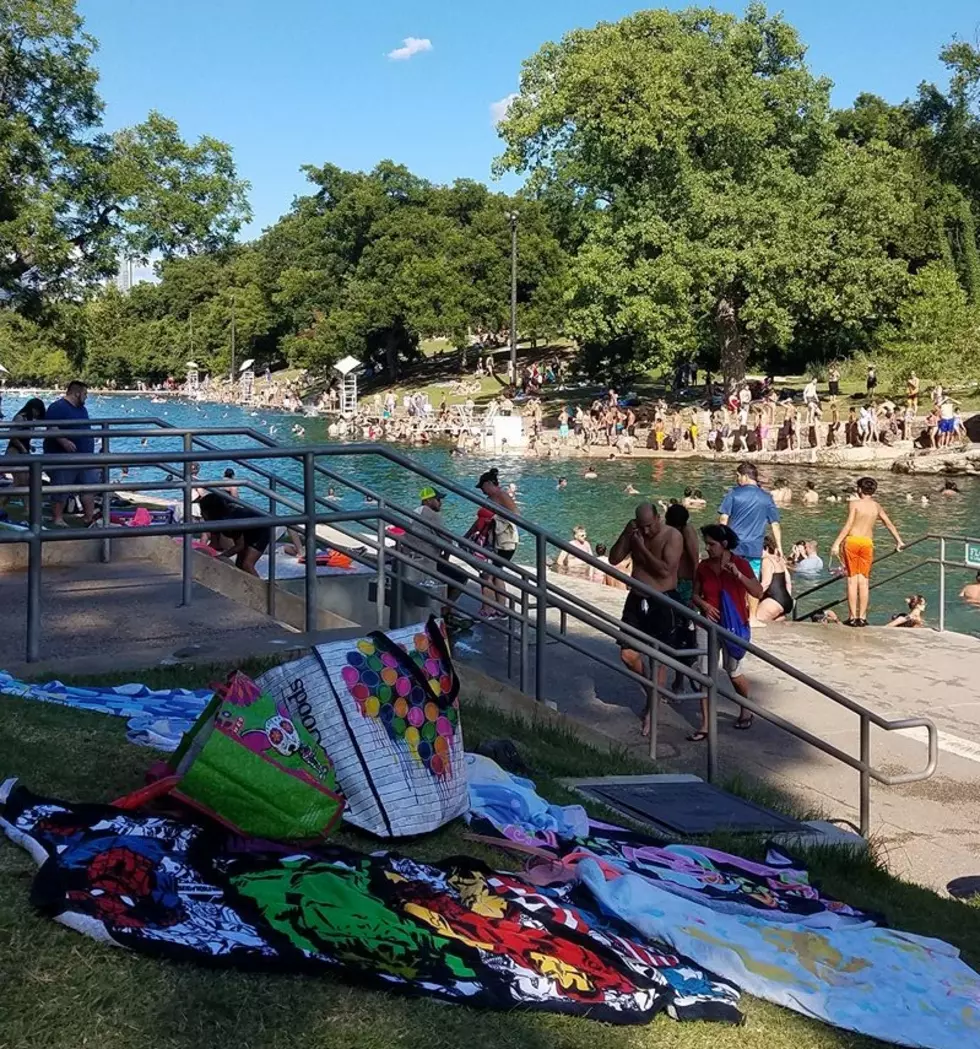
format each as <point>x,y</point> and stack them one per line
<point>59,990</point>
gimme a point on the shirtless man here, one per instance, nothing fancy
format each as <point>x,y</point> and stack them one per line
<point>656,551</point>
<point>971,592</point>
<point>855,547</point>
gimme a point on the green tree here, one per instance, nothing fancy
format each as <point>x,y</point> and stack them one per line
<point>701,155</point>
<point>72,197</point>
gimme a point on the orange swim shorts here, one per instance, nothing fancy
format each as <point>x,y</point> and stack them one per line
<point>857,555</point>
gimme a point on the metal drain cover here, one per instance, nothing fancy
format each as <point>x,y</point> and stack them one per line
<point>689,807</point>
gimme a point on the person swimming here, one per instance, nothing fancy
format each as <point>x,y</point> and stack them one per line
<point>630,490</point>
<point>590,474</point>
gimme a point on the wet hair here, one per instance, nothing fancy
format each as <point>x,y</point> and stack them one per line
<point>915,601</point>
<point>492,475</point>
<point>688,492</point>
<point>779,483</point>
<point>950,486</point>
<point>600,549</point>
<point>720,533</point>
<point>677,516</point>
<point>697,493</point>
<point>229,472</point>
<point>675,502</point>
<point>214,506</point>
<point>33,409</point>
<point>867,486</point>
<point>747,470</point>
<point>810,486</point>
<point>565,479</point>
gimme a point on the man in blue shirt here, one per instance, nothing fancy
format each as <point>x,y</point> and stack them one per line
<point>69,408</point>
<point>747,509</point>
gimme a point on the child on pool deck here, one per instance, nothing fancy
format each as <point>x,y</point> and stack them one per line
<point>855,547</point>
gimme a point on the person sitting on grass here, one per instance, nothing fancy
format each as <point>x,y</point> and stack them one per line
<point>245,545</point>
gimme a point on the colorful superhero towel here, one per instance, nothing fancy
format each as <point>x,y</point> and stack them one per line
<point>901,988</point>
<point>385,709</point>
<point>456,931</point>
<point>156,718</point>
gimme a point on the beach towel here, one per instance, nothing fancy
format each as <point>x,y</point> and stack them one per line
<point>172,711</point>
<point>385,708</point>
<point>896,986</point>
<point>456,930</point>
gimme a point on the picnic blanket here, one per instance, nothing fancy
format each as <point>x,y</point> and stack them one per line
<point>455,930</point>
<point>157,717</point>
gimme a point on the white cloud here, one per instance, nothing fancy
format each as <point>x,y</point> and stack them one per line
<point>498,110</point>
<point>411,45</point>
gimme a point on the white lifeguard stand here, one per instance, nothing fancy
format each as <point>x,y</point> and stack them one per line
<point>348,369</point>
<point>193,377</point>
<point>246,380</point>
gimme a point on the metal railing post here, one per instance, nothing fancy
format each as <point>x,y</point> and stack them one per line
<point>35,558</point>
<point>541,618</point>
<point>309,505</point>
<point>105,549</point>
<point>525,640</point>
<point>942,584</point>
<point>381,566</point>
<point>865,819</point>
<point>653,703</point>
<point>270,590</point>
<point>187,553</point>
<point>712,703</point>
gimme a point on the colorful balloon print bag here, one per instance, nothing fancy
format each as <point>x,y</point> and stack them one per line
<point>385,707</point>
<point>248,764</point>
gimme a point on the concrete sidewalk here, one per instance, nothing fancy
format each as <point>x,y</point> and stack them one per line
<point>930,831</point>
<point>104,613</point>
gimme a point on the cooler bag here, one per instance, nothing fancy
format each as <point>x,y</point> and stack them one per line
<point>385,708</point>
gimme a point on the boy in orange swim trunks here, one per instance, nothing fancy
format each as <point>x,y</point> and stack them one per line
<point>856,549</point>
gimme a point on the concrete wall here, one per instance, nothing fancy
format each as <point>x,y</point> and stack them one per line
<point>13,556</point>
<point>225,579</point>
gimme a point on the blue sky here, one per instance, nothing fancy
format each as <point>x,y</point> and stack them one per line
<point>308,81</point>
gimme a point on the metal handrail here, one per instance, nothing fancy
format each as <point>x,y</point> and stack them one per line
<point>529,584</point>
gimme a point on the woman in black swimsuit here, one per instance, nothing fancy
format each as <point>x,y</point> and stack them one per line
<point>777,599</point>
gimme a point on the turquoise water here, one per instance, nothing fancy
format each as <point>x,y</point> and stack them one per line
<point>602,506</point>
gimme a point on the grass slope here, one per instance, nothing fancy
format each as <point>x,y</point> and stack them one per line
<point>59,990</point>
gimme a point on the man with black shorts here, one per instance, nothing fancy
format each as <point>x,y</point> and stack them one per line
<point>656,551</point>
<point>246,545</point>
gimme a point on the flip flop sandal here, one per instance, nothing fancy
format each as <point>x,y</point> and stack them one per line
<point>697,737</point>
<point>744,724</point>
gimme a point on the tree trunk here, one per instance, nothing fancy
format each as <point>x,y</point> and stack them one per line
<point>731,345</point>
<point>391,354</point>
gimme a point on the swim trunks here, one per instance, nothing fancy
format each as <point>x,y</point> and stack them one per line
<point>685,588</point>
<point>651,617</point>
<point>947,425</point>
<point>755,563</point>
<point>857,555</point>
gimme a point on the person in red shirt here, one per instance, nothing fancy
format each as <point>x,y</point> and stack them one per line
<point>724,572</point>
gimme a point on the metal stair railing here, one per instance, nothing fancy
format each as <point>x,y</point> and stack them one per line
<point>524,596</point>
<point>942,561</point>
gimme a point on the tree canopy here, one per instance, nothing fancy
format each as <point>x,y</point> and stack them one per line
<point>73,198</point>
<point>689,192</point>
